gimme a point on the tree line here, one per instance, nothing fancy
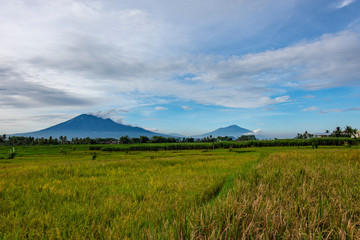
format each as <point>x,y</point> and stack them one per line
<point>63,140</point>
<point>338,132</point>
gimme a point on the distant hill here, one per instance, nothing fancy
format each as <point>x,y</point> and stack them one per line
<point>230,131</point>
<point>86,125</point>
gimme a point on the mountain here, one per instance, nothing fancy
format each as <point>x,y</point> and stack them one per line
<point>230,131</point>
<point>91,126</point>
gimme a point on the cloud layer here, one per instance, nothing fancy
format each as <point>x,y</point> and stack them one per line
<point>16,91</point>
<point>88,55</point>
<point>75,49</point>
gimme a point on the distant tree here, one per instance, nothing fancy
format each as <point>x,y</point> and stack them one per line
<point>75,140</point>
<point>124,140</point>
<point>305,135</point>
<point>348,132</point>
<point>161,139</point>
<point>336,132</point>
<point>207,139</point>
<point>62,140</point>
<point>171,140</point>
<point>299,136</point>
<point>223,139</point>
<point>87,140</point>
<point>144,139</point>
<point>355,132</point>
<point>246,138</point>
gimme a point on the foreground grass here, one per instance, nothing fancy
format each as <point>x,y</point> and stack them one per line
<point>120,195</point>
<point>290,195</point>
<point>267,193</point>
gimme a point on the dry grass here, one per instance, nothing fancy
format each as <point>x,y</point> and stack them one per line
<point>116,196</point>
<point>286,193</point>
<point>312,194</point>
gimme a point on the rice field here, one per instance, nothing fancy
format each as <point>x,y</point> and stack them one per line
<point>293,194</point>
<point>64,192</point>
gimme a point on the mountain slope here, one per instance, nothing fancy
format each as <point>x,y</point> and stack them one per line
<point>230,131</point>
<point>91,126</point>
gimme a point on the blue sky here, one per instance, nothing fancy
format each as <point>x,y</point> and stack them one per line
<point>187,67</point>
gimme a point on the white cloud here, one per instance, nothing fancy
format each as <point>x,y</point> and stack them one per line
<point>333,60</point>
<point>344,3</point>
<point>310,109</point>
<point>152,129</point>
<point>281,99</point>
<point>186,108</point>
<point>15,121</point>
<point>240,81</point>
<point>160,108</point>
<point>88,48</point>
<point>126,53</point>
<point>257,131</point>
<point>83,53</point>
<point>112,113</point>
<point>336,110</point>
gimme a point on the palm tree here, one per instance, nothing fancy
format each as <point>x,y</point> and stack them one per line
<point>355,133</point>
<point>337,132</point>
<point>348,131</point>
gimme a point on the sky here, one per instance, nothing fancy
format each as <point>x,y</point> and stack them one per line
<point>187,67</point>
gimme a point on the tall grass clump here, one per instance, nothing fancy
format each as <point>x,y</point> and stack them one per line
<point>11,153</point>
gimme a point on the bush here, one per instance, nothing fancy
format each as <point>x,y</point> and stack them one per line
<point>12,153</point>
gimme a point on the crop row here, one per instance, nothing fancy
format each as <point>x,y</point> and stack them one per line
<point>230,144</point>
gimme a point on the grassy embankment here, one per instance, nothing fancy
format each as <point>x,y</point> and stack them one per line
<point>61,192</point>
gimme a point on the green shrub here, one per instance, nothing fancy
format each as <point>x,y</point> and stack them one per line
<point>12,153</point>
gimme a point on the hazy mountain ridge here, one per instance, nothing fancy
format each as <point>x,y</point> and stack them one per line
<point>86,125</point>
<point>230,131</point>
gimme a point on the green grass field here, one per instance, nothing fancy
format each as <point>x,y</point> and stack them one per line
<point>61,192</point>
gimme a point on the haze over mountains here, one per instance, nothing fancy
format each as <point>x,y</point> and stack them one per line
<point>230,131</point>
<point>86,125</point>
